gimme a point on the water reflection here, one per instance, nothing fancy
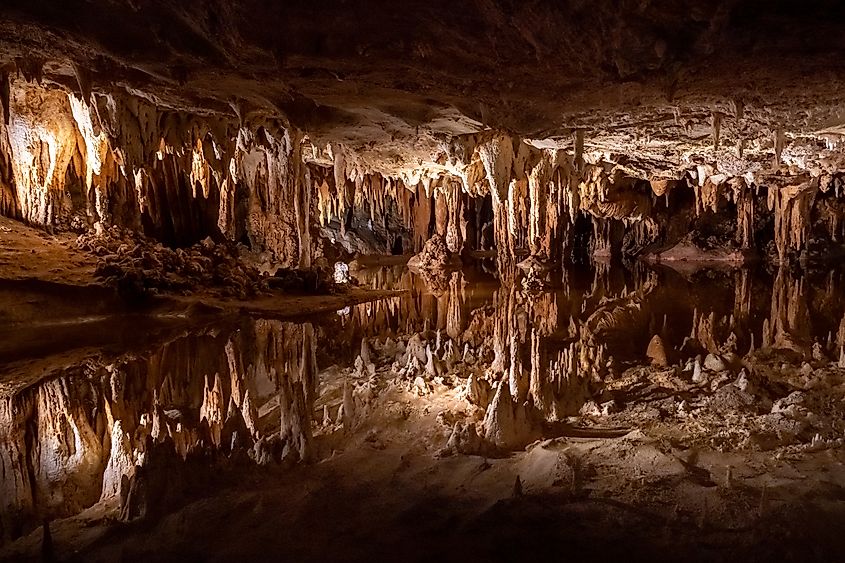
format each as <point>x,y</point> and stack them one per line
<point>80,434</point>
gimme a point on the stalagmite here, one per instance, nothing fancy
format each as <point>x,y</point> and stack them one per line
<point>506,423</point>
<point>657,351</point>
<point>697,376</point>
<point>348,407</point>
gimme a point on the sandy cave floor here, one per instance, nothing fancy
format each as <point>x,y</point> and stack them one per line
<point>29,253</point>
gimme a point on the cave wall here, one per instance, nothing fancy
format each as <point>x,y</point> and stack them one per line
<point>82,160</point>
<point>75,163</point>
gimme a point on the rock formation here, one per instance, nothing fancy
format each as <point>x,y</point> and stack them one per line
<point>583,160</point>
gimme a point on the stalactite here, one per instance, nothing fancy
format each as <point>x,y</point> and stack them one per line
<point>497,155</point>
<point>131,157</point>
<point>744,200</point>
<point>42,142</point>
<point>181,177</point>
<point>716,124</point>
<point>791,206</point>
<point>779,142</point>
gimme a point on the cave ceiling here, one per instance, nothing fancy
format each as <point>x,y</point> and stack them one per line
<point>657,86</point>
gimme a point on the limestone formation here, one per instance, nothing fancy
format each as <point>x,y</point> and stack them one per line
<point>507,424</point>
<point>619,221</point>
<point>656,352</point>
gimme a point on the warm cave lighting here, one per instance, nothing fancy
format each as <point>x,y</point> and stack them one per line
<point>430,281</point>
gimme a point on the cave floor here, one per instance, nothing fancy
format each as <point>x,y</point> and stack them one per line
<point>33,254</point>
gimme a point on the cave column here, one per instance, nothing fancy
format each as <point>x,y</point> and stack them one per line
<point>497,156</point>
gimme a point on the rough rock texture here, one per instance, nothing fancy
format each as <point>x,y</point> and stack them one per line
<point>434,255</point>
<point>178,177</point>
<point>139,266</point>
<point>604,128</point>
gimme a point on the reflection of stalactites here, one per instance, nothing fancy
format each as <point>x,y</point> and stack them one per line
<point>308,366</point>
<point>291,349</point>
<point>791,206</point>
<point>455,319</point>
<point>558,385</point>
<point>704,330</point>
<point>543,312</point>
<point>16,486</point>
<point>790,316</point>
<point>503,328</point>
<point>536,385</point>
<point>120,464</point>
<point>613,314</point>
<point>742,294</point>
<point>212,408</point>
<point>235,369</point>
<point>69,450</point>
<point>295,420</point>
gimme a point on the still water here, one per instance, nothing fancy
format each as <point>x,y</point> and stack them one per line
<point>82,402</point>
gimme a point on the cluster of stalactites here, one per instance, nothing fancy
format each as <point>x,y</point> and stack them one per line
<point>425,203</point>
<point>531,191</point>
<point>349,187</point>
<point>791,206</point>
<point>537,194</point>
<point>123,150</point>
<point>528,208</point>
